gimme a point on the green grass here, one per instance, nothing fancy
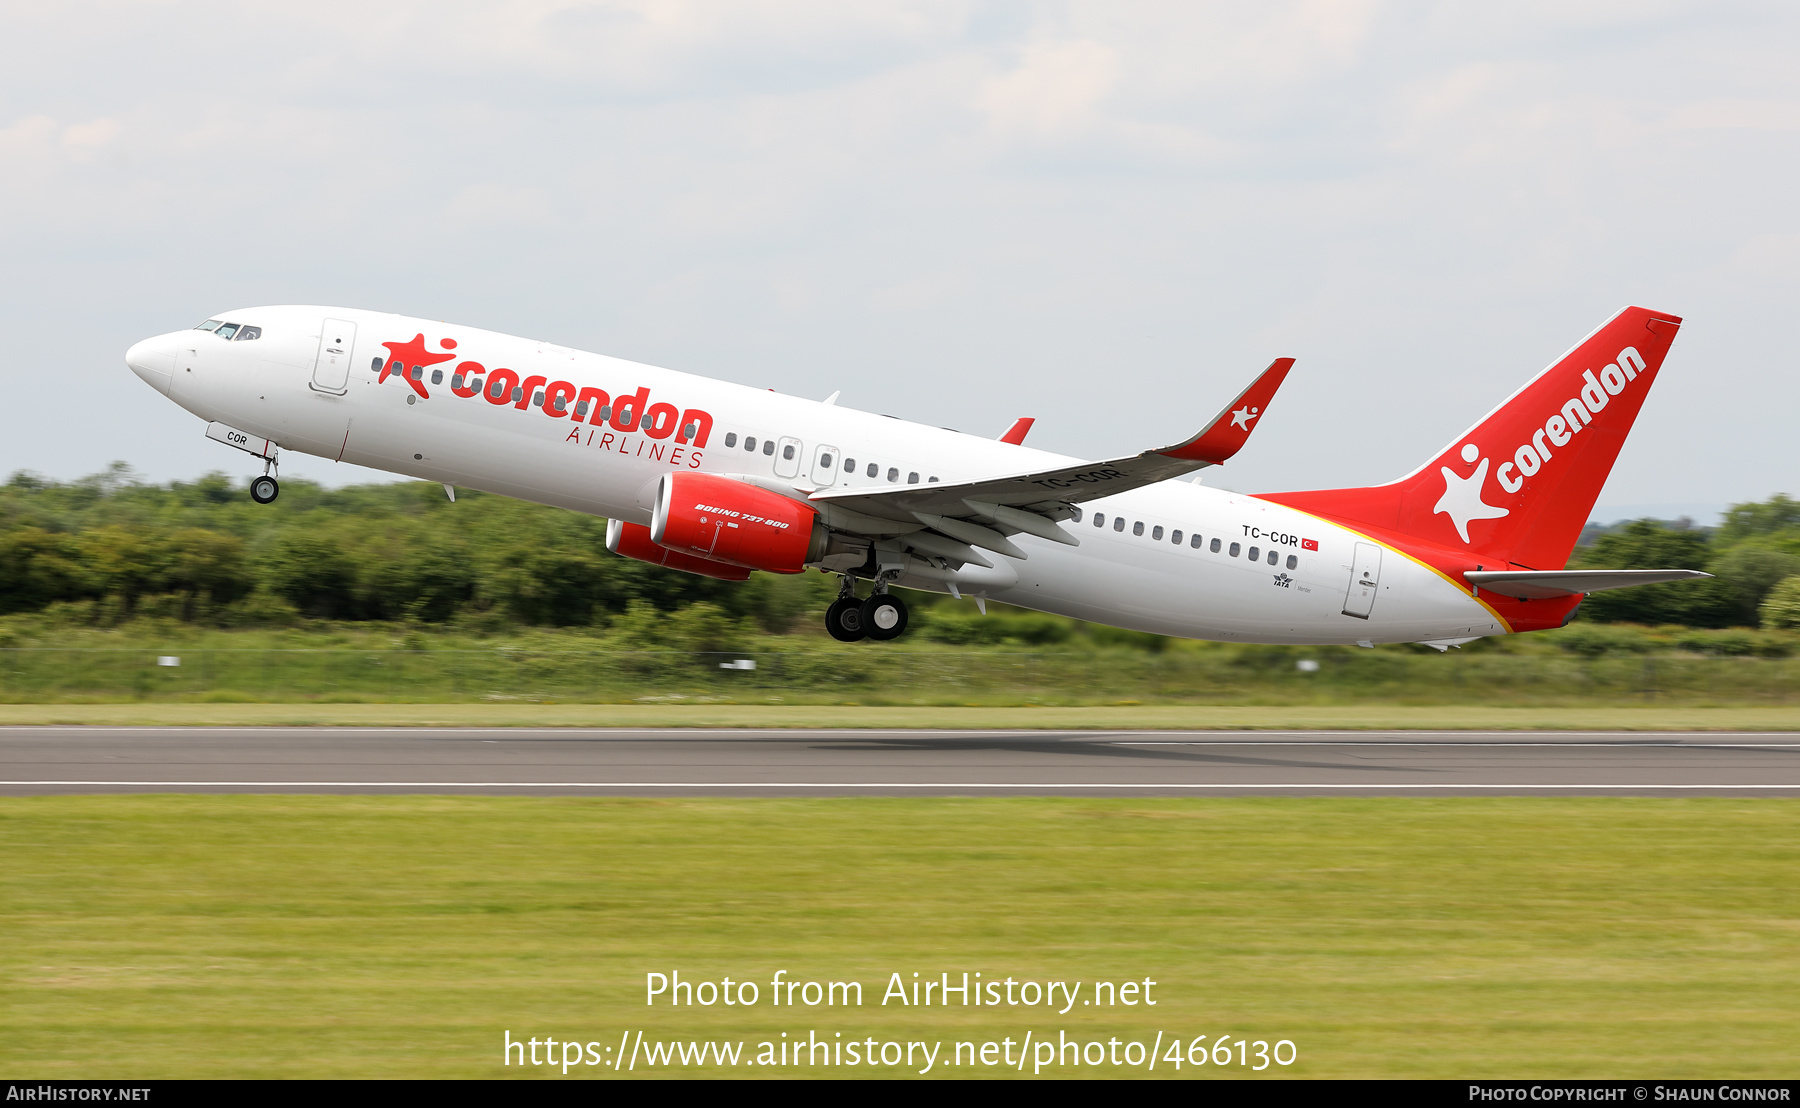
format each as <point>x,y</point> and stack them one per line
<point>398,936</point>
<point>654,661</point>
<point>699,713</point>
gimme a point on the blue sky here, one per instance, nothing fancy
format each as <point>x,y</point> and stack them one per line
<point>1107,215</point>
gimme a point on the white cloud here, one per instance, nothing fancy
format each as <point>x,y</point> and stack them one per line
<point>1108,212</point>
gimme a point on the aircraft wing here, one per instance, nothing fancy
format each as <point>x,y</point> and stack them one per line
<point>1033,501</point>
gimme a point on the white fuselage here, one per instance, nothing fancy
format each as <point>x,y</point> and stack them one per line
<point>284,387</point>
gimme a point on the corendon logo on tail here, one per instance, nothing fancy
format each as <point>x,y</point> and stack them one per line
<point>1462,500</point>
<point>624,413</point>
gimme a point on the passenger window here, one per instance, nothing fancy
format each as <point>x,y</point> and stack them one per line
<point>1156,534</point>
<point>518,393</point>
<point>1274,557</point>
<point>1099,519</point>
<point>581,410</point>
<point>537,399</point>
<point>731,438</point>
<point>932,481</point>
<point>209,325</point>
<point>456,380</point>
<point>418,372</point>
<point>1118,523</point>
<point>1234,548</point>
<point>1214,547</point>
<point>605,412</point>
<point>825,461</point>
<point>750,442</point>
<point>1138,528</point>
<point>912,478</point>
<point>893,474</point>
<point>849,465</point>
<point>437,376</point>
<point>248,334</point>
<point>1255,553</point>
<point>562,403</point>
<point>375,365</point>
<point>1293,562</point>
<point>874,469</point>
<point>787,453</point>
<point>1076,517</point>
<point>1175,537</point>
<point>1196,542</point>
<point>226,330</point>
<point>769,446</point>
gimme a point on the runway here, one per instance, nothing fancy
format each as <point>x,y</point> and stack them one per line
<point>66,760</point>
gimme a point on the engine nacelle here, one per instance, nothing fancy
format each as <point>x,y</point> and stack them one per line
<point>730,521</point>
<point>633,541</point>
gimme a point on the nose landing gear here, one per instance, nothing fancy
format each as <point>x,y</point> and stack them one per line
<point>265,489</point>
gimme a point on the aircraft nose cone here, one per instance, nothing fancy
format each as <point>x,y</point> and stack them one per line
<point>154,361</point>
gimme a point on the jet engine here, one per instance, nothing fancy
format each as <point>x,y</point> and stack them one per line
<point>730,521</point>
<point>633,541</point>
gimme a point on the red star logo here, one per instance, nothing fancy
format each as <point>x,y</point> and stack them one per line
<point>404,354</point>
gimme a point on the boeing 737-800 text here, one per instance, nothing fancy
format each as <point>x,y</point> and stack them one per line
<point>720,479</point>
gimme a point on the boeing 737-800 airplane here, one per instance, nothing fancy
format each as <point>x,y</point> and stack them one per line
<point>721,479</point>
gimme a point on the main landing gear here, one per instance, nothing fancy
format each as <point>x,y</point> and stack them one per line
<point>881,617</point>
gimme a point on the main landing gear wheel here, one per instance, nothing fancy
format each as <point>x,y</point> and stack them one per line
<point>884,616</point>
<point>844,619</point>
<point>264,489</point>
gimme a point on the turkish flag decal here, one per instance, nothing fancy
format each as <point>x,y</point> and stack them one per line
<point>1309,544</point>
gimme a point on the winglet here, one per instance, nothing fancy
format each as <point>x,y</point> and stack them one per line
<point>1016,433</point>
<point>1231,428</point>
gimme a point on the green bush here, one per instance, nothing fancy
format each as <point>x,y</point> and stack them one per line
<point>1591,641</point>
<point>1781,610</point>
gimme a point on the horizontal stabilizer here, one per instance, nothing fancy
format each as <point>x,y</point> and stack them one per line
<point>1546,584</point>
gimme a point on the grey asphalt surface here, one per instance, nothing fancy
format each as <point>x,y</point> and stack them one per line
<point>50,760</point>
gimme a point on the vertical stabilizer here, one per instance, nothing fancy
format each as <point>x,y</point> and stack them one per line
<point>1518,486</point>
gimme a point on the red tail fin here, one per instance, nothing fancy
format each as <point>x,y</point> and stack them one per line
<point>1518,486</point>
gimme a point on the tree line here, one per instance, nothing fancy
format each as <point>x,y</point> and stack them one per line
<point>202,551</point>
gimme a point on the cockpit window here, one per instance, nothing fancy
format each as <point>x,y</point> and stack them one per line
<point>209,325</point>
<point>226,330</point>
<point>246,334</point>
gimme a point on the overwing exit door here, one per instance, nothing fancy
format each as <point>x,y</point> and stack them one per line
<point>1365,580</point>
<point>787,458</point>
<point>825,467</point>
<point>331,372</point>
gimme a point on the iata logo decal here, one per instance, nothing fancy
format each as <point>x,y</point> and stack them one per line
<point>1462,495</point>
<point>616,419</point>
